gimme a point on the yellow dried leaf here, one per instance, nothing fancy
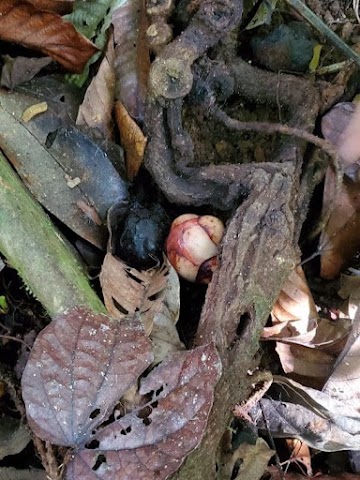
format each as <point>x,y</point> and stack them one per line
<point>132,139</point>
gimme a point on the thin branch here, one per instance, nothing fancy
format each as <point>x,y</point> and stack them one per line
<point>274,128</point>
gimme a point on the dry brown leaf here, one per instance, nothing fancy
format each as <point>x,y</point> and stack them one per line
<point>132,59</point>
<point>22,23</point>
<point>127,291</point>
<point>59,6</point>
<point>164,335</point>
<point>315,417</point>
<point>95,112</point>
<point>132,139</point>
<point>300,454</point>
<point>341,237</point>
<point>295,301</point>
<point>306,344</point>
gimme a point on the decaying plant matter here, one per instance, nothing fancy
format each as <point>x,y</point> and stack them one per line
<point>259,248</point>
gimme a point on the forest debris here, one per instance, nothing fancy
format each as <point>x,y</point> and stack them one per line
<point>310,415</point>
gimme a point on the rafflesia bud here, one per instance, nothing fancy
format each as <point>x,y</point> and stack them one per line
<point>192,246</point>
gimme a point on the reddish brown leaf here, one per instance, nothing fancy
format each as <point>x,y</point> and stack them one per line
<point>151,443</point>
<point>22,23</point>
<point>132,60</point>
<point>79,367</point>
<point>59,6</point>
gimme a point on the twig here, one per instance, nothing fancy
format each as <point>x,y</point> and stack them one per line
<point>272,128</point>
<point>9,337</point>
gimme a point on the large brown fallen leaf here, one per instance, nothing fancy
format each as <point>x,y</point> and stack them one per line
<point>21,22</point>
<point>132,57</point>
<point>79,367</point>
<point>152,442</point>
<point>341,236</point>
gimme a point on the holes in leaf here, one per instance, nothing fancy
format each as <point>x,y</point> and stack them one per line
<point>99,461</point>
<point>156,295</point>
<point>159,390</point>
<point>125,431</point>
<point>144,414</point>
<point>133,277</point>
<point>119,307</point>
<point>93,444</point>
<point>94,413</point>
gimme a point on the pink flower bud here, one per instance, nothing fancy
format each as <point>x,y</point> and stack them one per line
<point>192,246</point>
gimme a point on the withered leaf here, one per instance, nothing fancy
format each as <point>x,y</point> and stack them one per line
<point>340,238</point>
<point>64,169</point>
<point>132,139</point>
<point>79,367</point>
<point>127,290</point>
<point>306,344</point>
<point>14,436</point>
<point>152,442</point>
<point>22,23</point>
<point>21,69</point>
<point>95,112</point>
<point>344,382</point>
<point>58,6</point>
<point>164,335</point>
<point>312,416</point>
<point>132,58</point>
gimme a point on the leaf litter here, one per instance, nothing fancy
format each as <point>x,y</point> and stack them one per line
<point>82,363</point>
<point>167,413</point>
